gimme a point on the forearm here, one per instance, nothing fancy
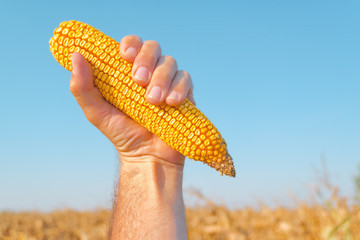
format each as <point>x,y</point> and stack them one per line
<point>150,202</point>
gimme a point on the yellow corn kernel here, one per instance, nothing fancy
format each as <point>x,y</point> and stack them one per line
<point>183,128</point>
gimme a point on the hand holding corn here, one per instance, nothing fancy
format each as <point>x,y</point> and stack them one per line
<point>151,91</point>
<point>131,139</point>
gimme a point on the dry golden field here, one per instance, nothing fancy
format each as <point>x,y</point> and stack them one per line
<point>335,219</point>
<point>329,217</point>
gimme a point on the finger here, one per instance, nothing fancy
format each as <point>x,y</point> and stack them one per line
<point>181,88</point>
<point>82,87</point>
<point>191,98</point>
<point>145,62</point>
<point>161,80</point>
<point>130,47</point>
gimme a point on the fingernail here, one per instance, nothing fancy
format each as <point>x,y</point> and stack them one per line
<point>72,62</point>
<point>131,52</point>
<point>142,74</point>
<point>155,93</point>
<point>174,96</point>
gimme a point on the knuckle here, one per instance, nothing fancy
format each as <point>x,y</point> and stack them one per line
<point>152,43</point>
<point>171,60</point>
<point>74,88</point>
<point>163,76</point>
<point>131,38</point>
<point>135,38</point>
<point>186,75</point>
<point>188,80</point>
<point>141,55</point>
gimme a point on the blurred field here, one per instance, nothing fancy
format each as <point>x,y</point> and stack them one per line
<point>329,217</point>
<point>334,220</point>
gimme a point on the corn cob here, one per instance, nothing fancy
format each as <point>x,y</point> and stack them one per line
<point>184,128</point>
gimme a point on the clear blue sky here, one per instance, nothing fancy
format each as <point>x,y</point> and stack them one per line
<point>280,80</point>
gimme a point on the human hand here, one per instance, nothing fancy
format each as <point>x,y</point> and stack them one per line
<point>164,83</point>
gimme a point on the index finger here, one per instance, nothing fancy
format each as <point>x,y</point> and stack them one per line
<point>130,46</point>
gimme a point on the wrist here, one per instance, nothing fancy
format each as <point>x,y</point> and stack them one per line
<point>154,174</point>
<point>144,161</point>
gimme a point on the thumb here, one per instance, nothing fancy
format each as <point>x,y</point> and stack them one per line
<point>81,77</point>
<point>87,96</point>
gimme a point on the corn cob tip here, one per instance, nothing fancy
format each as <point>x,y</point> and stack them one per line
<point>226,167</point>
